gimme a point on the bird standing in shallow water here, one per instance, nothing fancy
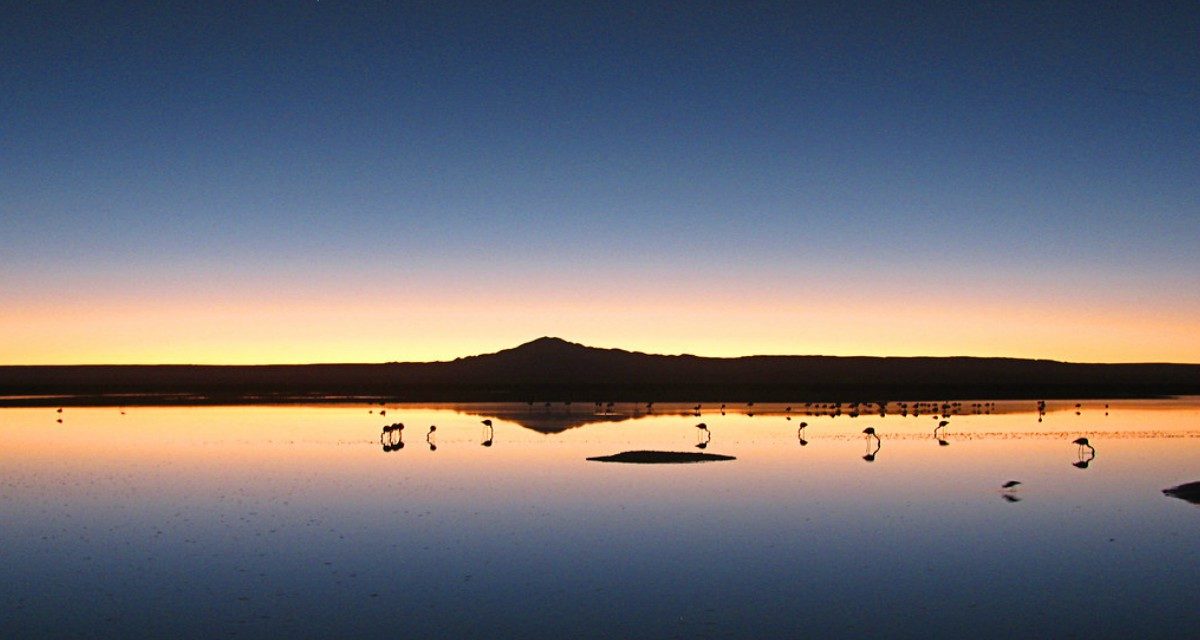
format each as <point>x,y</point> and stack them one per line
<point>489,434</point>
<point>940,440</point>
<point>1085,458</point>
<point>870,432</point>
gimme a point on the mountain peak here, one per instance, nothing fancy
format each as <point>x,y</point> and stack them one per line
<point>547,342</point>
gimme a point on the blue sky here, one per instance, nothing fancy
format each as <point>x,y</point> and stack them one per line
<point>988,149</point>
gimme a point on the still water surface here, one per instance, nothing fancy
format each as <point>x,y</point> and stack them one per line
<point>308,521</point>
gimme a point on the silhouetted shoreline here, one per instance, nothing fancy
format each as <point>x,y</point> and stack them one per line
<point>549,369</point>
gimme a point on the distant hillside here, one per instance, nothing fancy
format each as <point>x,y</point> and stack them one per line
<point>554,369</point>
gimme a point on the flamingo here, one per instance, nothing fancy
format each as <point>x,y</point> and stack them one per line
<point>487,442</point>
<point>1082,462</point>
<point>941,441</point>
<point>389,442</point>
<point>870,433</point>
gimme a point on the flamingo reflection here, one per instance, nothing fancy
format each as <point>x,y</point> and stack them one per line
<point>488,433</point>
<point>392,437</point>
<point>429,438</point>
<point>704,436</point>
<point>800,434</point>
<point>1008,491</point>
<point>941,440</point>
<point>870,433</point>
<point>1085,457</point>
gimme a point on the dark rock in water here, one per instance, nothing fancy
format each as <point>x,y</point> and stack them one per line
<point>1189,492</point>
<point>661,457</point>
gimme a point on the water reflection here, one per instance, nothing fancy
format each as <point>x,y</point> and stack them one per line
<point>940,437</point>
<point>392,437</point>
<point>1189,492</point>
<point>489,433</point>
<point>429,438</point>
<point>306,525</point>
<point>1085,453</point>
<point>871,453</point>
<point>703,435</point>
<point>661,457</point>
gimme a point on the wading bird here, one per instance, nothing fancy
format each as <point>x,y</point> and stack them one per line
<point>870,433</point>
<point>392,437</point>
<point>943,442</point>
<point>1085,457</point>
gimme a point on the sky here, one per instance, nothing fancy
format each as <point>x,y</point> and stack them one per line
<point>365,182</point>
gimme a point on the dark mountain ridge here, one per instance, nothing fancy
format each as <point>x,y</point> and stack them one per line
<point>554,369</point>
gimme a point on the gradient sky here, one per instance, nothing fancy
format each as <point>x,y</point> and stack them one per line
<point>349,181</point>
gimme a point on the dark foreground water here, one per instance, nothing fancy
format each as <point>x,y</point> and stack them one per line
<point>310,522</point>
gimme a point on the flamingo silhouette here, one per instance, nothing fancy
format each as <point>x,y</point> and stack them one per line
<point>870,433</point>
<point>1084,458</point>
<point>704,433</point>
<point>489,434</point>
<point>800,434</point>
<point>392,437</point>
<point>943,442</point>
<point>429,438</point>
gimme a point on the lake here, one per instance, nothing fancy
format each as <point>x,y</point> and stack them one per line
<point>312,521</point>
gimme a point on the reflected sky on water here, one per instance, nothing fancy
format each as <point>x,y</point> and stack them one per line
<point>310,520</point>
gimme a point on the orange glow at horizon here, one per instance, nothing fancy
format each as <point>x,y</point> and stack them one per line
<point>353,327</point>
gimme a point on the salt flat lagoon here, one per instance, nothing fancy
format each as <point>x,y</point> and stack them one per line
<point>312,521</point>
